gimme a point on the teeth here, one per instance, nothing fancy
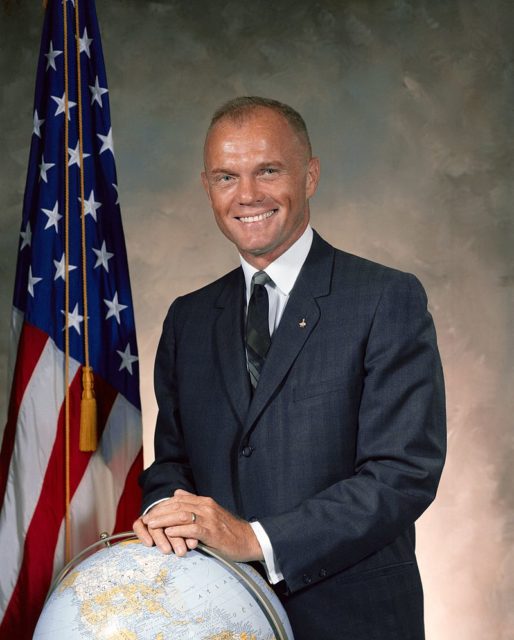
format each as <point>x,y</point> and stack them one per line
<point>261,216</point>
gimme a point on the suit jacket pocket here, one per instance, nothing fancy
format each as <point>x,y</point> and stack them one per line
<point>317,388</point>
<point>378,572</point>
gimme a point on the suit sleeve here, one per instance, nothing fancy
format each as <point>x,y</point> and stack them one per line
<point>171,469</point>
<point>400,449</point>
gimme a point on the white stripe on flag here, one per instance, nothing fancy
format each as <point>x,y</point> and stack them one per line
<point>16,325</point>
<point>35,435</point>
<point>94,504</point>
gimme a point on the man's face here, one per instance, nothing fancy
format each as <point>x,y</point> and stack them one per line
<point>259,177</point>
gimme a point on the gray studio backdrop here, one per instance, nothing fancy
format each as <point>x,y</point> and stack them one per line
<point>410,107</point>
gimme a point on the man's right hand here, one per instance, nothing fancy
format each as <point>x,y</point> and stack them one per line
<point>149,537</point>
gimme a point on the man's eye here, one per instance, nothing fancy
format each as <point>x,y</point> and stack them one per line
<point>224,178</point>
<point>269,171</point>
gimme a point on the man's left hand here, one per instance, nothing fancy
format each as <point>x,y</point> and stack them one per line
<point>193,517</point>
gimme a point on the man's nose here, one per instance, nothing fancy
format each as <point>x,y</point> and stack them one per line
<point>249,190</point>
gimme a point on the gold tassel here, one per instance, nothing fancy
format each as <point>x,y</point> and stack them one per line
<point>88,417</point>
<point>45,4</point>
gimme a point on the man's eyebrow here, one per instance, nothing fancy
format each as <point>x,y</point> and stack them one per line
<point>270,163</point>
<point>221,170</point>
<point>234,172</point>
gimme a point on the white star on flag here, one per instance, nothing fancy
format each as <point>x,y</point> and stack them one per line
<point>85,43</point>
<point>44,167</point>
<point>114,307</point>
<point>97,92</point>
<point>61,105</point>
<point>53,216</point>
<point>90,205</point>
<point>106,142</point>
<point>37,124</point>
<point>32,281</point>
<point>51,56</point>
<point>74,319</point>
<point>60,266</point>
<point>126,359</point>
<point>117,193</point>
<point>26,237</point>
<point>75,155</point>
<point>102,257</point>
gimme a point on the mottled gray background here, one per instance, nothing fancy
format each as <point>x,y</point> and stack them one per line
<point>410,107</point>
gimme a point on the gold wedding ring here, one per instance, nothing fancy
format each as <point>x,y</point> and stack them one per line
<point>193,517</point>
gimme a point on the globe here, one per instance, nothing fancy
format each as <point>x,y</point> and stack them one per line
<point>126,591</point>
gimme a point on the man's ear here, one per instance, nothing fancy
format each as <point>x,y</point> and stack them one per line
<point>312,179</point>
<point>205,183</point>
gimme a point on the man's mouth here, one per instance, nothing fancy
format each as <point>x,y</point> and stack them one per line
<point>259,217</point>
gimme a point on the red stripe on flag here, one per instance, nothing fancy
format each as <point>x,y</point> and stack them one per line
<point>129,506</point>
<point>36,570</point>
<point>30,346</point>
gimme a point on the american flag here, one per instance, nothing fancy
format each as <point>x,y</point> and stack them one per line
<point>102,485</point>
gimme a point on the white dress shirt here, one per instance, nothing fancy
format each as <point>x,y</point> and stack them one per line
<point>283,273</point>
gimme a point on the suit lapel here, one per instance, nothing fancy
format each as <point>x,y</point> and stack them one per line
<point>230,344</point>
<point>300,318</point>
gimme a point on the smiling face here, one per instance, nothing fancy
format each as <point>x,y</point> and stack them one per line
<point>258,177</point>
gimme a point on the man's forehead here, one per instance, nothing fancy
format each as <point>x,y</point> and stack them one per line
<point>260,128</point>
<point>258,118</point>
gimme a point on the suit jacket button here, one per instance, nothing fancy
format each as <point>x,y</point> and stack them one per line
<point>307,578</point>
<point>323,573</point>
<point>247,451</point>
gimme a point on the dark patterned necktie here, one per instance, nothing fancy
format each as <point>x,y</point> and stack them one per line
<point>257,326</point>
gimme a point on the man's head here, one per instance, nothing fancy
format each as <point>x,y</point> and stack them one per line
<point>259,174</point>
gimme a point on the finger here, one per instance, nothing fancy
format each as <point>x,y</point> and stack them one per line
<point>172,505</point>
<point>179,546</point>
<point>142,533</point>
<point>185,516</point>
<point>186,532</point>
<point>161,540</point>
<point>191,543</point>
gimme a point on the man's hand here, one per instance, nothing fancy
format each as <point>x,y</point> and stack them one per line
<point>149,537</point>
<point>183,520</point>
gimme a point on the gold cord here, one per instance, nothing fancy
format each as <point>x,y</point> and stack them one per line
<point>88,413</point>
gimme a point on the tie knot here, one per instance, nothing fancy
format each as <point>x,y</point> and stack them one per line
<point>260,277</point>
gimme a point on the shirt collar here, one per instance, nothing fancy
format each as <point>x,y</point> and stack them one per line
<point>285,269</point>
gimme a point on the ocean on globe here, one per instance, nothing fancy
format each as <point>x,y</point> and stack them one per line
<point>127,591</point>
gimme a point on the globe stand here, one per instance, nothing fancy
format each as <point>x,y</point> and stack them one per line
<point>250,585</point>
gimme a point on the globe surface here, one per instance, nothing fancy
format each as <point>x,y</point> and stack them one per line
<point>127,591</point>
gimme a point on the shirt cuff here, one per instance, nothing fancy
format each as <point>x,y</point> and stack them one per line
<point>270,563</point>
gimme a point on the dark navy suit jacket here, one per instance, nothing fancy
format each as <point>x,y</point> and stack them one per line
<point>337,453</point>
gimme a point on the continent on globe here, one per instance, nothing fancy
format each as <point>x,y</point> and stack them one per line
<point>127,591</point>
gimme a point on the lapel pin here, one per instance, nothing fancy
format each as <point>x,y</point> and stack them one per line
<point>302,324</point>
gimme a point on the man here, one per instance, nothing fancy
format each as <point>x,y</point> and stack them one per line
<point>316,453</point>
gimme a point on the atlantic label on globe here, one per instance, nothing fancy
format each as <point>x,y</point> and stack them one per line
<point>126,591</point>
